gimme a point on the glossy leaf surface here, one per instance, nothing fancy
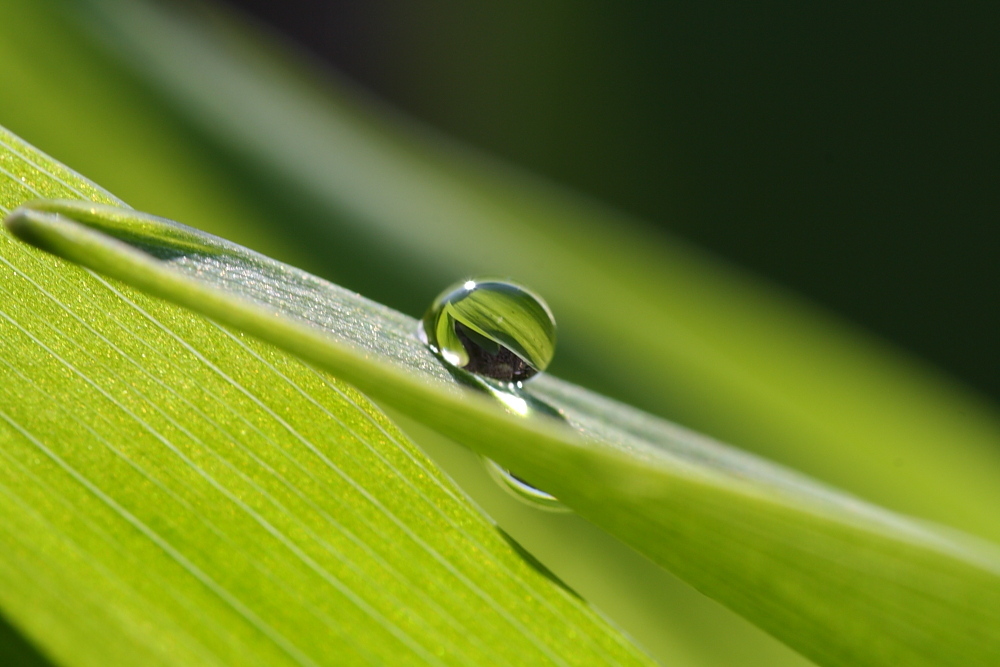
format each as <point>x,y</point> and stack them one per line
<point>191,496</point>
<point>842,581</point>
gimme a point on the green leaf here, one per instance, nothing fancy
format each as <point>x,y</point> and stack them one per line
<point>175,493</point>
<point>842,581</point>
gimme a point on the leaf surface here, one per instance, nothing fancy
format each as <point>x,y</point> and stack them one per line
<point>192,496</point>
<point>844,582</point>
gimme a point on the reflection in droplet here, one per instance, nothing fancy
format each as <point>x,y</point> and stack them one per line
<point>515,403</point>
<point>522,490</point>
<point>503,334</point>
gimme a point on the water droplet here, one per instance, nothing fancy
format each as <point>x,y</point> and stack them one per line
<point>491,328</point>
<point>503,334</point>
<point>521,489</point>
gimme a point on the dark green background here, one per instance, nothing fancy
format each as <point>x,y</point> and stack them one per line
<point>849,151</point>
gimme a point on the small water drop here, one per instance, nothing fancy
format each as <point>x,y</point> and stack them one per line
<point>522,490</point>
<point>492,328</point>
<point>504,334</point>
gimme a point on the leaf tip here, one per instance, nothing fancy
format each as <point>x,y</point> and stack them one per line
<point>17,222</point>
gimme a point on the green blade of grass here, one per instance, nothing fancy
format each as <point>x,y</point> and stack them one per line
<point>842,581</point>
<point>174,493</point>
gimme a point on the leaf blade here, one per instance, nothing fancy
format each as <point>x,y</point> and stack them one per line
<point>198,498</point>
<point>842,581</point>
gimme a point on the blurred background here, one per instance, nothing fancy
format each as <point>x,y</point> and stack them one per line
<point>849,150</point>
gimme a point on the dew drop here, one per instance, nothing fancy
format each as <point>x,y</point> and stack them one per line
<point>503,334</point>
<point>491,328</point>
<point>522,490</point>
